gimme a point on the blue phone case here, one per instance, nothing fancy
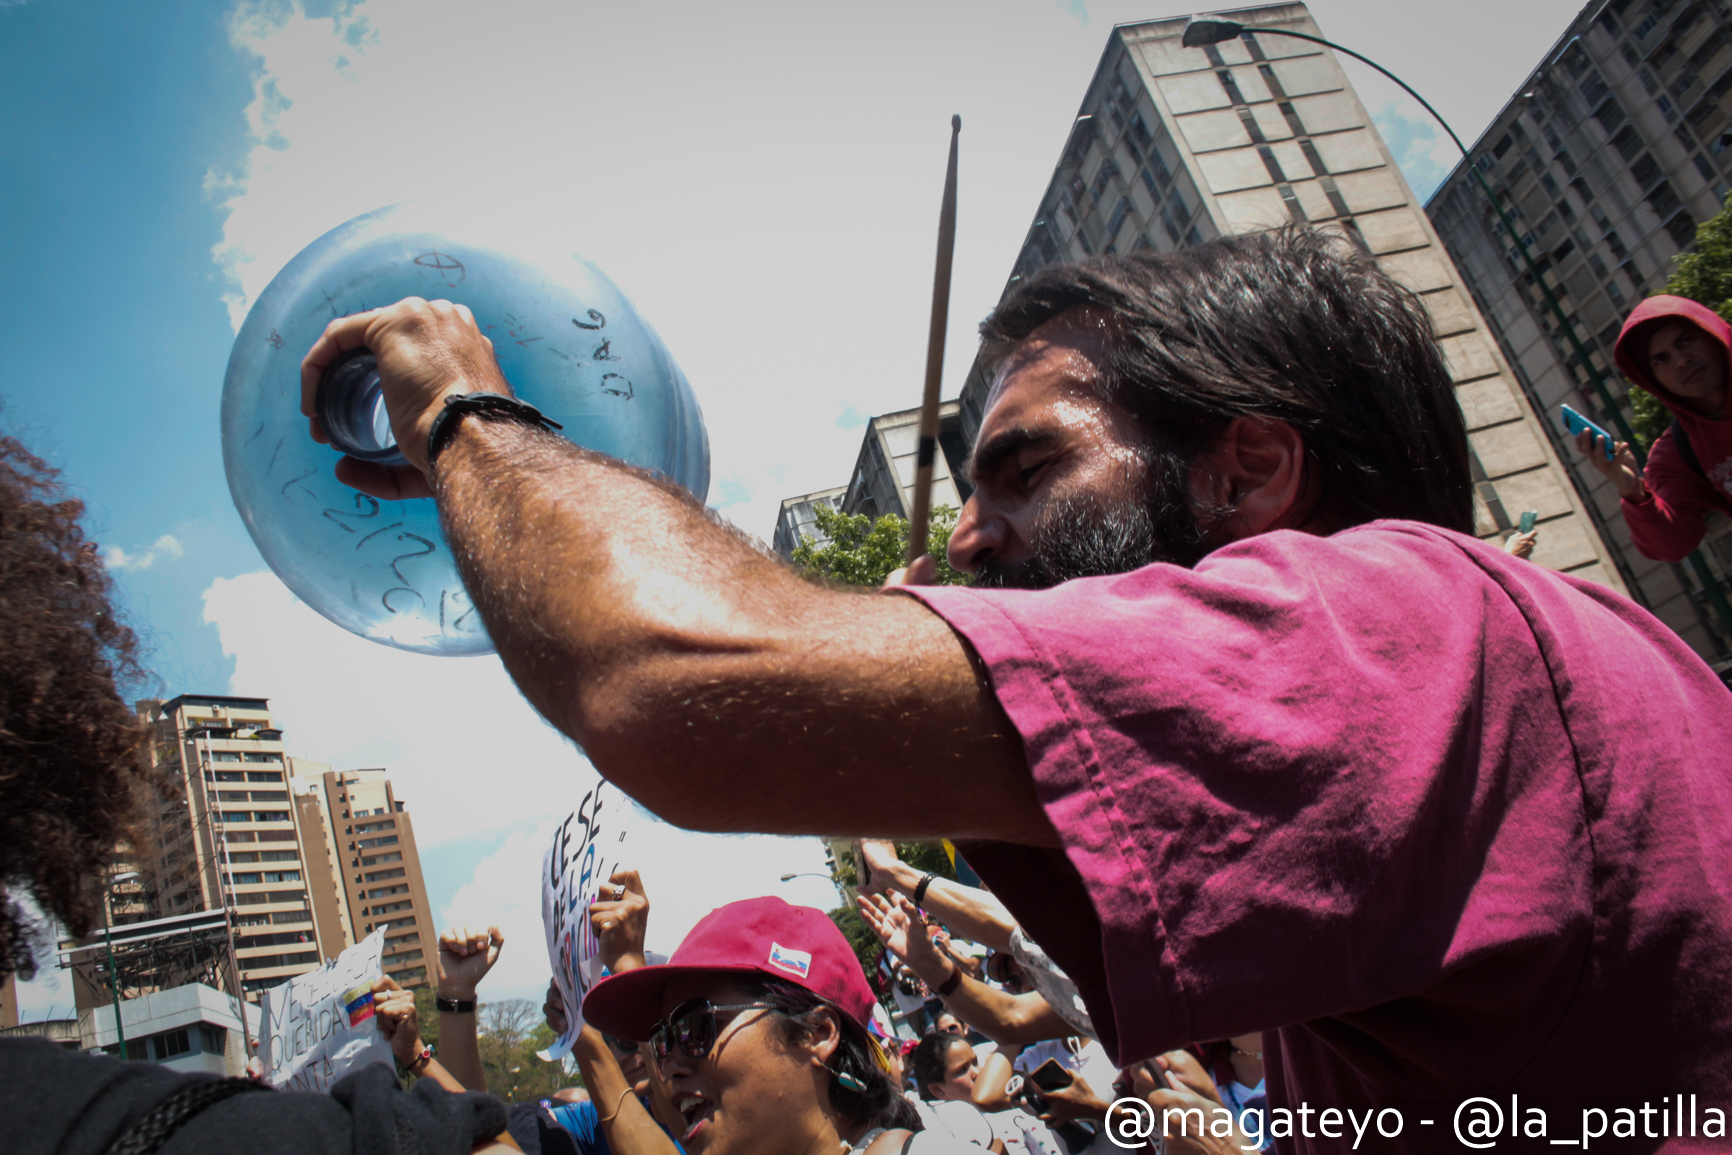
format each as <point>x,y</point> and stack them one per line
<point>1575,423</point>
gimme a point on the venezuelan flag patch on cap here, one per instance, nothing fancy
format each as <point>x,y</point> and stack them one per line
<point>795,962</point>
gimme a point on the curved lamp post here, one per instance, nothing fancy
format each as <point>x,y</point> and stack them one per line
<point>1200,33</point>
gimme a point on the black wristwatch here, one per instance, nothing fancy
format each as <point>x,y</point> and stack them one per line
<point>454,1006</point>
<point>497,405</point>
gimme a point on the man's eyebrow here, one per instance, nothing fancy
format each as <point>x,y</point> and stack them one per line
<point>989,455</point>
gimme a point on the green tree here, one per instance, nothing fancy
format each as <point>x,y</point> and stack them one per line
<point>1703,276</point>
<point>510,1034</point>
<point>862,552</point>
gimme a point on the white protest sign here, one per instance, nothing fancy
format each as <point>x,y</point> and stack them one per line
<point>319,1026</point>
<point>587,847</point>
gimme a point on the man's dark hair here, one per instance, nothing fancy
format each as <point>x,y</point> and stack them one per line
<point>1291,324</point>
<point>71,753</point>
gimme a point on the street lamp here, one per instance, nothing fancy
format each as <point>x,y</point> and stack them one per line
<point>808,874</point>
<point>108,938</point>
<point>1200,33</point>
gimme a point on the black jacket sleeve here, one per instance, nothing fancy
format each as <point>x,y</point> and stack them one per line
<point>59,1101</point>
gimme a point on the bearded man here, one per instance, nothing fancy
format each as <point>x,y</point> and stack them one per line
<point>1239,720</point>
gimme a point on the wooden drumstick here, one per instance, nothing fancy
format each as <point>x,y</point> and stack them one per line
<point>921,515</point>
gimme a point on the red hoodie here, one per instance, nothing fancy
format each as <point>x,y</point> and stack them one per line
<point>1667,524</point>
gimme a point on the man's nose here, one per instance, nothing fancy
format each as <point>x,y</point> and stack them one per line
<point>980,535</point>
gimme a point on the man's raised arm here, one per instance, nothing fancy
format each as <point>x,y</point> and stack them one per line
<point>710,682</point>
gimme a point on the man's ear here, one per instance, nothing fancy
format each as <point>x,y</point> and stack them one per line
<point>1256,470</point>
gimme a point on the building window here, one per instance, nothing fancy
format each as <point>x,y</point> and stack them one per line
<point>171,1043</point>
<point>212,1040</point>
<point>1294,208</point>
<point>1628,144</point>
<point>1664,201</point>
<point>1311,157</point>
<point>1682,229</point>
<point>1272,81</point>
<point>1231,86</point>
<point>1252,128</point>
<point>1270,164</point>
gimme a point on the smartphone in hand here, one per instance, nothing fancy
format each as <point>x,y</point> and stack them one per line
<point>1576,424</point>
<point>1529,516</point>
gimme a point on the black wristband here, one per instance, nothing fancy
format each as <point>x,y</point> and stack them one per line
<point>454,1006</point>
<point>497,404</point>
<point>951,983</point>
<point>920,891</point>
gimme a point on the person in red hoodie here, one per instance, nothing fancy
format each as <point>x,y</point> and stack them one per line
<point>1681,352</point>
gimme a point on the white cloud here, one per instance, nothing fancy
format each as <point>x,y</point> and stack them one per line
<point>763,180</point>
<point>685,874</point>
<point>451,731</point>
<point>165,548</point>
<point>469,756</point>
<point>1424,153</point>
<point>49,994</point>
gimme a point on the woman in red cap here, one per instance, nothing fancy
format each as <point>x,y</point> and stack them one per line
<point>758,1025</point>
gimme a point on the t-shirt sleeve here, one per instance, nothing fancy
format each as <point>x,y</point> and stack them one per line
<point>581,1121</point>
<point>1278,776</point>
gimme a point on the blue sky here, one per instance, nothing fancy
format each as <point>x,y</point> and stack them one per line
<point>763,180</point>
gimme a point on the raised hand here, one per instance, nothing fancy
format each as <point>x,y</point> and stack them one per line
<point>394,1011</point>
<point>1077,1101</point>
<point>1622,470</point>
<point>465,957</point>
<point>427,350</point>
<point>620,920</point>
<point>897,924</point>
<point>875,862</point>
<point>553,1010</point>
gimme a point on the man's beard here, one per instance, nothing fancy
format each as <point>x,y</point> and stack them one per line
<point>1090,535</point>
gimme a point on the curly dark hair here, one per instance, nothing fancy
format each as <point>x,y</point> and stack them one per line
<point>72,754</point>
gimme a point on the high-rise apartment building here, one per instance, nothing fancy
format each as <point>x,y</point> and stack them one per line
<point>1617,146</point>
<point>305,860</point>
<point>228,839</point>
<point>362,840</point>
<point>1173,145</point>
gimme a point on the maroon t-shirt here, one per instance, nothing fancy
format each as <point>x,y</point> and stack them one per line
<point>1454,824</point>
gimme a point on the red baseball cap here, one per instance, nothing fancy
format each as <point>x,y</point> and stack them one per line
<point>760,937</point>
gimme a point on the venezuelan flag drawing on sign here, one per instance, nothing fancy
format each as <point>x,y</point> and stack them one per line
<point>358,1001</point>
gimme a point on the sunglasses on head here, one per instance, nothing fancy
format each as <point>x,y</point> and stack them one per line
<point>692,1028</point>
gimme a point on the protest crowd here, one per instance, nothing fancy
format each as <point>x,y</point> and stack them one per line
<point>1300,814</point>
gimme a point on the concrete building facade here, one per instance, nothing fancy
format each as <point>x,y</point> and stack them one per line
<point>1173,145</point>
<point>1614,150</point>
<point>359,842</point>
<point>190,1028</point>
<point>883,478</point>
<point>229,840</point>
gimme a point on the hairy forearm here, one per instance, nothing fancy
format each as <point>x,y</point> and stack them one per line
<point>706,679</point>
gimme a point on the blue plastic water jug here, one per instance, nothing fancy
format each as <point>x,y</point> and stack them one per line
<point>567,340</point>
